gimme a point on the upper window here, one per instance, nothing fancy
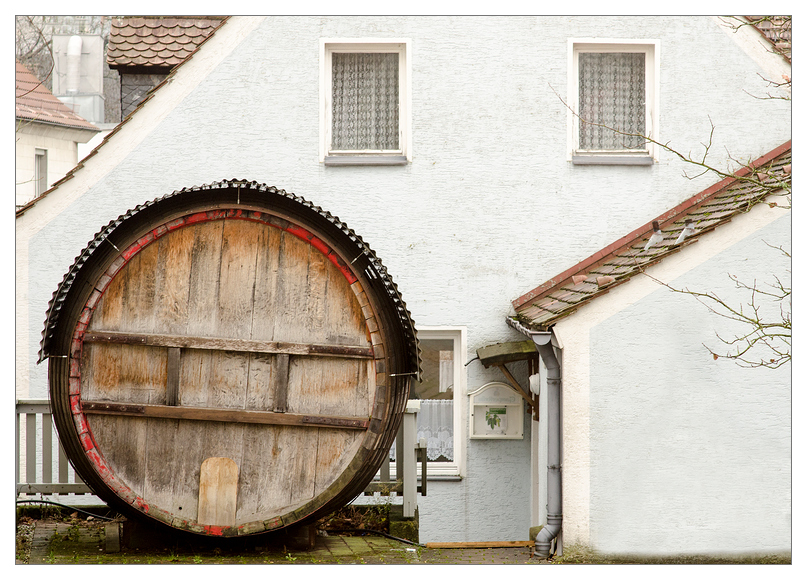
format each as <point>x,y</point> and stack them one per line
<point>613,92</point>
<point>365,112</point>
<point>40,171</point>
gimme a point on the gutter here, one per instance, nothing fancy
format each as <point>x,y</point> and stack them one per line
<point>554,517</point>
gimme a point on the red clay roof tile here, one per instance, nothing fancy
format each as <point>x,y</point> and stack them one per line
<point>157,41</point>
<point>36,103</point>
<point>543,306</point>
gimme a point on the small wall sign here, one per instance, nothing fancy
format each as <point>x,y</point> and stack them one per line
<point>497,412</point>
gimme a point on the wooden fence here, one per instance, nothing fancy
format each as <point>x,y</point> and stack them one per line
<point>37,458</point>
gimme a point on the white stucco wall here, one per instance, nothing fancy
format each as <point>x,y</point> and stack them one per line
<point>488,208</point>
<point>690,454</point>
<point>667,450</point>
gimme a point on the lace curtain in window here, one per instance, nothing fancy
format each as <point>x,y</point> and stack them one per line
<point>365,101</point>
<point>436,425</point>
<point>612,93</point>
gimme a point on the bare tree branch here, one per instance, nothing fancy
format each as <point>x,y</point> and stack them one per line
<point>766,342</point>
<point>756,176</point>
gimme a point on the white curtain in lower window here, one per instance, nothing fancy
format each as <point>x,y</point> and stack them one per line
<point>436,425</point>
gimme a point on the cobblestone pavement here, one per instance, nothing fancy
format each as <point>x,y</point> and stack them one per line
<point>66,543</point>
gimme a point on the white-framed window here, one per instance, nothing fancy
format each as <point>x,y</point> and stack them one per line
<point>40,171</point>
<point>613,101</point>
<point>365,97</point>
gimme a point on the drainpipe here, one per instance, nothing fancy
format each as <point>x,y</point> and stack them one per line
<point>554,515</point>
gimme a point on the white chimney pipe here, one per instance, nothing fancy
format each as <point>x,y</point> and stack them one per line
<point>73,64</point>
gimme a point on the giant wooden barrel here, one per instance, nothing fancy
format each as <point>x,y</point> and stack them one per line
<point>228,360</point>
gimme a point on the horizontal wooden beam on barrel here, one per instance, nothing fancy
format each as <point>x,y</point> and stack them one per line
<point>222,415</point>
<point>230,344</point>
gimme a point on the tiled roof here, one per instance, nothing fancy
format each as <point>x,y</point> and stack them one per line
<point>777,29</point>
<point>615,264</point>
<point>156,41</point>
<point>36,103</point>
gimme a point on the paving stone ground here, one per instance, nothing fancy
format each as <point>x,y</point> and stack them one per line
<point>85,543</point>
<point>97,542</point>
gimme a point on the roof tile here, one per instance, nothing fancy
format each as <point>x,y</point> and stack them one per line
<point>615,264</point>
<point>35,102</point>
<point>157,41</point>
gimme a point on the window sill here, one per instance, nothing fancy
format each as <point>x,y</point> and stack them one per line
<point>612,159</point>
<point>337,160</point>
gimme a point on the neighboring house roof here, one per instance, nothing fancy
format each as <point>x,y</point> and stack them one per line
<point>778,30</point>
<point>80,164</point>
<point>35,102</point>
<point>617,263</point>
<point>157,41</point>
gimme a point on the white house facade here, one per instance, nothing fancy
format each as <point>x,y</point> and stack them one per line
<point>478,183</point>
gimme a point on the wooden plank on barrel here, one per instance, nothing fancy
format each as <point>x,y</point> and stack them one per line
<point>291,290</point>
<point>233,344</point>
<point>280,383</point>
<point>316,304</point>
<point>229,373</point>
<point>129,374</point>
<point>204,279</point>
<point>172,378</point>
<point>237,278</point>
<point>265,291</point>
<point>125,444</point>
<point>335,450</point>
<point>338,395</point>
<point>259,483</point>
<point>164,466</point>
<point>213,379</point>
<point>344,319</point>
<point>173,281</point>
<point>305,379</point>
<point>108,310</point>
<point>139,278</point>
<point>222,415</point>
<point>218,492</point>
<point>260,394</point>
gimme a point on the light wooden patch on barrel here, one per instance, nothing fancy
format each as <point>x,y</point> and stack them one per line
<point>218,491</point>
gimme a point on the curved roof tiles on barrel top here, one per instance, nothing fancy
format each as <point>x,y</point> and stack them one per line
<point>157,41</point>
<point>376,270</point>
<point>34,102</point>
<point>540,308</point>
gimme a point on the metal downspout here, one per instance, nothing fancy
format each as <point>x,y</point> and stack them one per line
<point>554,516</point>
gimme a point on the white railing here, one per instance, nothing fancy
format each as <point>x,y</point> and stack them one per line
<point>403,481</point>
<point>36,462</point>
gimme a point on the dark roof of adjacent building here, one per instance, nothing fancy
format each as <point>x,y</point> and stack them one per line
<point>157,41</point>
<point>540,308</point>
<point>34,102</point>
